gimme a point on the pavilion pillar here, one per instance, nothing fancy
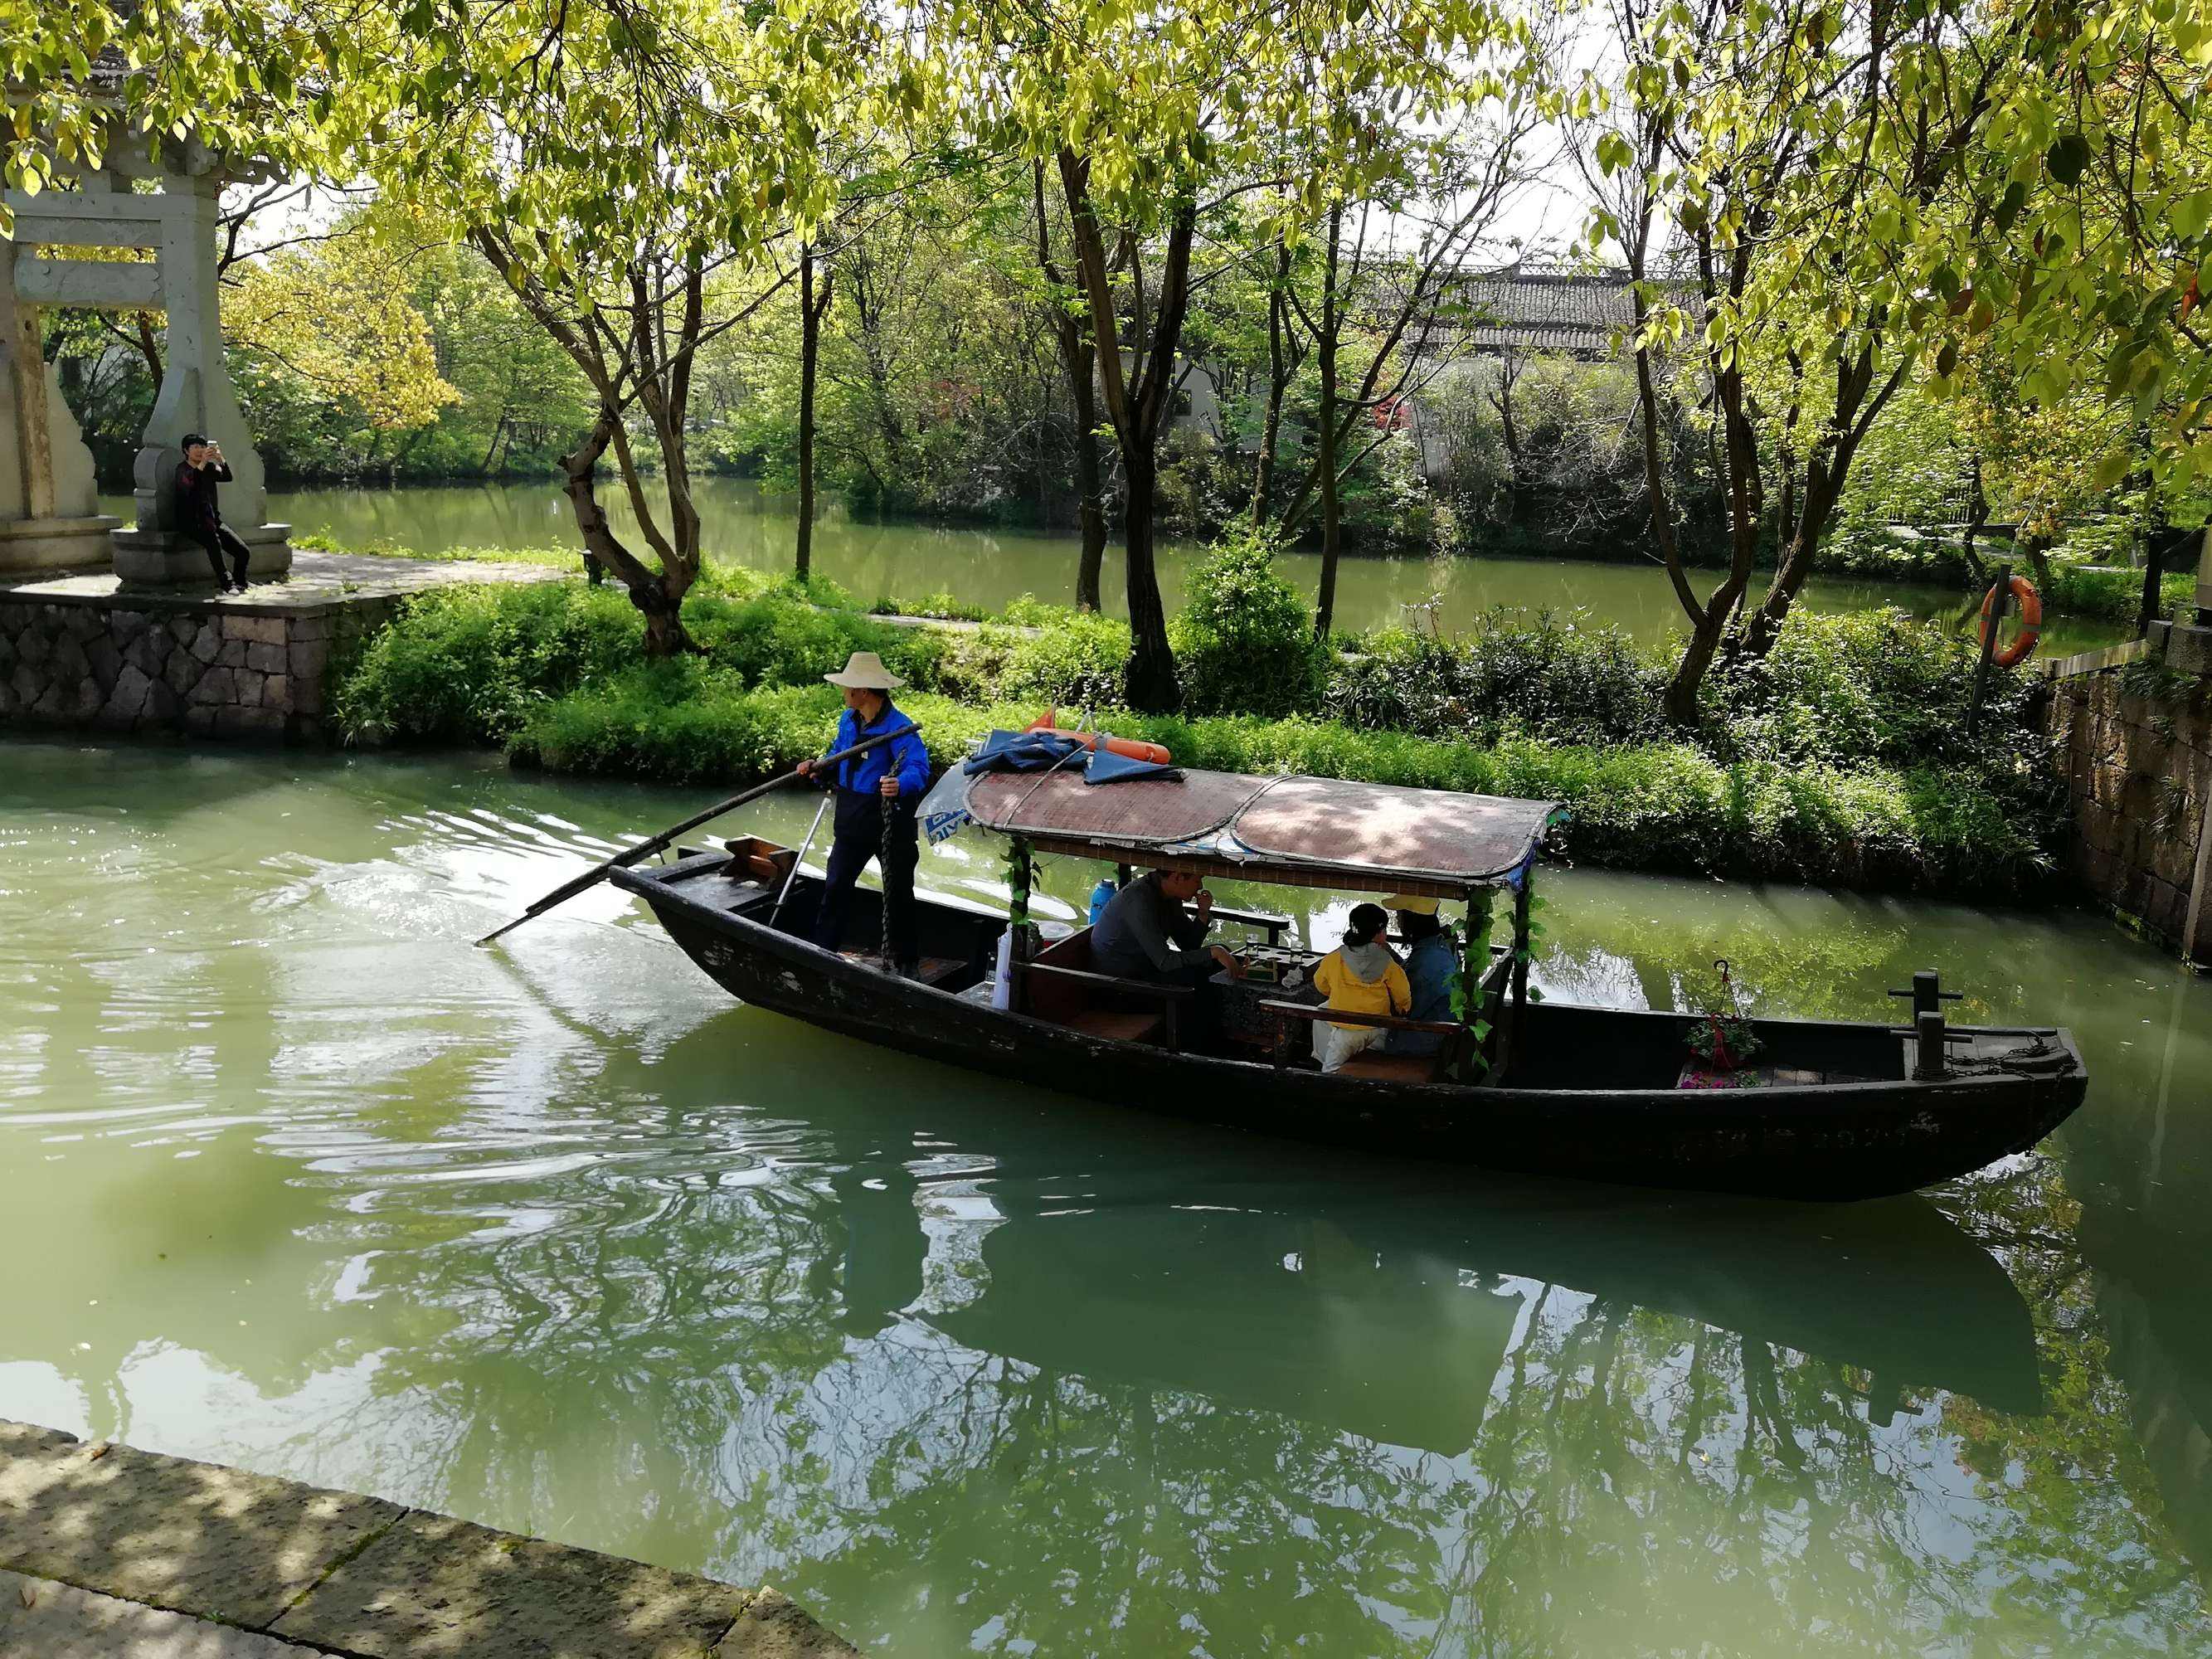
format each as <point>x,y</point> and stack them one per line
<point>50,514</point>
<point>196,396</point>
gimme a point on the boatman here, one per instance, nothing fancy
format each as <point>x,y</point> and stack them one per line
<point>878,795</point>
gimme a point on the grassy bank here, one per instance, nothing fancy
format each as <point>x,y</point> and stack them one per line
<point>1840,763</point>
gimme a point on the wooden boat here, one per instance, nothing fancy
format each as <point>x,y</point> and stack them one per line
<point>1840,1111</point>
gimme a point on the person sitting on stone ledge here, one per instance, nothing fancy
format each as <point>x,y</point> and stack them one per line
<point>199,517</point>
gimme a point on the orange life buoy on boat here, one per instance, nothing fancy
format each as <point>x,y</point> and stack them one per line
<point>1130,747</point>
<point>2031,622</point>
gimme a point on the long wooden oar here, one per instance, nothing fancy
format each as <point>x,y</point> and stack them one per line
<point>646,849</point>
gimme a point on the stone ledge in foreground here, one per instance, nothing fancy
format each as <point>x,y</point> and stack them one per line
<point>312,1570</point>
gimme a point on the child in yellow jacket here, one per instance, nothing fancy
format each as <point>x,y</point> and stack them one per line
<point>1360,976</point>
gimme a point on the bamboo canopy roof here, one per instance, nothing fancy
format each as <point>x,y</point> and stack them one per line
<point>1292,831</point>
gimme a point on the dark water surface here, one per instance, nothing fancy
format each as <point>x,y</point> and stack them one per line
<point>558,1238</point>
<point>906,561</point>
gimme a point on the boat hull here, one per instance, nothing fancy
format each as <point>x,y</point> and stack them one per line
<point>1835,1141</point>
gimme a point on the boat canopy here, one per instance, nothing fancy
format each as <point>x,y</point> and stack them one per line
<point>1292,831</point>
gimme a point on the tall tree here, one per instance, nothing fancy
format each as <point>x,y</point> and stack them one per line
<point>813,301</point>
<point>632,255</point>
<point>1072,332</point>
<point>1412,154</point>
<point>1762,165</point>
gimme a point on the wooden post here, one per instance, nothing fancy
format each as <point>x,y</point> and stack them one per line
<point>1927,992</point>
<point>1927,1060</point>
<point>1519,977</point>
<point>2196,932</point>
<point>1992,624</point>
<point>1018,957</point>
<point>1520,914</point>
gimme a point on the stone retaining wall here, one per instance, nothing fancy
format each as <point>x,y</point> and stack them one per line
<point>2134,736</point>
<point>146,665</point>
<point>105,1549</point>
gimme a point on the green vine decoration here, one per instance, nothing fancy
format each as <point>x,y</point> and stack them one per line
<point>1018,873</point>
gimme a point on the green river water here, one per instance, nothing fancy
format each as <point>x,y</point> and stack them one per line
<point>557,1237</point>
<point>903,559</point>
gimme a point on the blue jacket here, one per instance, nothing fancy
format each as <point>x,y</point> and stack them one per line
<point>905,754</point>
<point>1429,968</point>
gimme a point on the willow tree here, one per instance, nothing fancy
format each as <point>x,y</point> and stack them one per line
<point>2081,260</point>
<point>1766,167</point>
<point>625,167</point>
<point>628,172</point>
<point>1148,121</point>
<point>1411,150</point>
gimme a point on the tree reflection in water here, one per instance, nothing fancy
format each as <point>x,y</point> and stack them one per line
<point>947,1364</point>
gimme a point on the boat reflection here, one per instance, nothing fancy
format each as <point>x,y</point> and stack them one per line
<point>1389,1316</point>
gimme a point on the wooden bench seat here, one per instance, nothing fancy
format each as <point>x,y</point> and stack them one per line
<point>1115,1024</point>
<point>930,970</point>
<point>1060,985</point>
<point>1390,1068</point>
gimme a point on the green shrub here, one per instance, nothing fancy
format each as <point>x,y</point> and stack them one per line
<point>783,639</point>
<point>1840,759</point>
<point>1511,672</point>
<point>2116,595</point>
<point>467,665</point>
<point>1876,685</point>
<point>1244,639</point>
<point>1076,662</point>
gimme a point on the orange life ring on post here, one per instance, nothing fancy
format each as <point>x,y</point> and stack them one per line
<point>2031,622</point>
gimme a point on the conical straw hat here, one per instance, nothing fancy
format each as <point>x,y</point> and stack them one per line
<point>864,672</point>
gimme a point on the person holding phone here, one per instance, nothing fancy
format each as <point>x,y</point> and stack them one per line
<point>200,517</point>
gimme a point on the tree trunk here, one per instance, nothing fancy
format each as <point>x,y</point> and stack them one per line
<point>1331,494</point>
<point>1856,405</point>
<point>1078,358</point>
<point>1150,684</point>
<point>148,348</point>
<point>664,623</point>
<point>1680,702</point>
<point>1519,487</point>
<point>1279,380</point>
<point>810,357</point>
<point>1139,412</point>
<point>1978,517</point>
<point>1090,481</point>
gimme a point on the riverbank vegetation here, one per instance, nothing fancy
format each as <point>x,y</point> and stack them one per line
<point>1839,760</point>
<point>951,267</point>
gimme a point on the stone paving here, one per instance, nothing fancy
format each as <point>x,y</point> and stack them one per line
<point>105,1550</point>
<point>316,578</point>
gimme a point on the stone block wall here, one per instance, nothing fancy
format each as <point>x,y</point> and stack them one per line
<point>2135,739</point>
<point>144,664</point>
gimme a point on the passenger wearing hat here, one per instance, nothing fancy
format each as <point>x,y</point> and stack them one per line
<point>896,772</point>
<point>198,516</point>
<point>1431,960</point>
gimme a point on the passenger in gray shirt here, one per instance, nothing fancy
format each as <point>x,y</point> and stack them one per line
<point>1145,932</point>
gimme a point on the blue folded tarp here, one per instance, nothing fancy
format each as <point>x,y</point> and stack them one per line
<point>1020,751</point>
<point>1103,766</point>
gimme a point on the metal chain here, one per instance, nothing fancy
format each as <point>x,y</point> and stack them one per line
<point>883,859</point>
